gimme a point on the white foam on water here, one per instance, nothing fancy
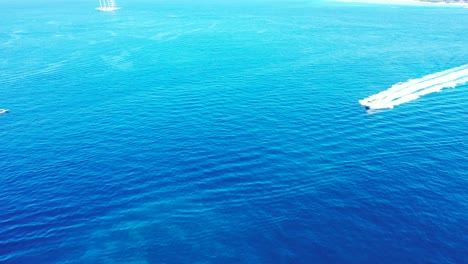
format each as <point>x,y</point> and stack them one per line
<point>413,89</point>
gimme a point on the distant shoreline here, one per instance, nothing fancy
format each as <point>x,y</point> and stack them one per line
<point>406,2</point>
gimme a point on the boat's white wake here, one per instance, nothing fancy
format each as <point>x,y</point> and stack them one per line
<point>413,89</point>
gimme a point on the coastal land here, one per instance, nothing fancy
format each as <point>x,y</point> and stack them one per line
<point>463,3</point>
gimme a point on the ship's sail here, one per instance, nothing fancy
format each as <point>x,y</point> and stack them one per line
<point>107,5</point>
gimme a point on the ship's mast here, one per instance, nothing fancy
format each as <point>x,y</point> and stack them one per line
<point>107,5</point>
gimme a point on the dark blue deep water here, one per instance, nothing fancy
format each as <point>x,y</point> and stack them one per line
<point>230,132</point>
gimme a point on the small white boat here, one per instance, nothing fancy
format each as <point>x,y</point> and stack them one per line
<point>374,104</point>
<point>3,111</point>
<point>107,5</point>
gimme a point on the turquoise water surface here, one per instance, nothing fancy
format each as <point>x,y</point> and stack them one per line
<point>230,132</point>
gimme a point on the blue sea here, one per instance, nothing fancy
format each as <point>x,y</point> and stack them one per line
<point>230,132</point>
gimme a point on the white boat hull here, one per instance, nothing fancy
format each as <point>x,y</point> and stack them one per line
<point>107,6</point>
<point>107,9</point>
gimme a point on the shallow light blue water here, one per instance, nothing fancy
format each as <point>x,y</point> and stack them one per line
<point>229,132</point>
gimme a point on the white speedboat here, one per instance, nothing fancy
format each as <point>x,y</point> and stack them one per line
<point>375,104</point>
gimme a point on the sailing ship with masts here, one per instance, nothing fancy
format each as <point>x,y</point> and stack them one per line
<point>107,5</point>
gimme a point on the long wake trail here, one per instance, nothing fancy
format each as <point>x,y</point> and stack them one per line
<point>413,89</point>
